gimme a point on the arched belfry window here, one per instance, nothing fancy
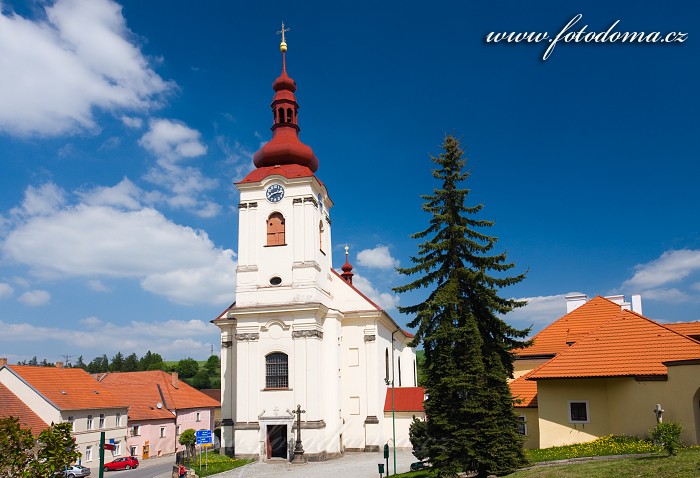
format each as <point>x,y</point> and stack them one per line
<point>289,115</point>
<point>276,370</point>
<point>320,235</point>
<point>280,116</point>
<point>275,229</point>
<point>386,363</point>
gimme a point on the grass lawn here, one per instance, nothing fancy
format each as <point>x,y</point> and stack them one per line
<point>685,465</point>
<point>217,464</point>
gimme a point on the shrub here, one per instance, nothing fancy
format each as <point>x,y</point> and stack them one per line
<point>668,436</point>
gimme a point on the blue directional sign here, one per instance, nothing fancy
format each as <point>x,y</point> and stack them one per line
<point>203,437</point>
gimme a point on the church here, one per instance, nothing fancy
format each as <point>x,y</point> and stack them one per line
<point>300,341</point>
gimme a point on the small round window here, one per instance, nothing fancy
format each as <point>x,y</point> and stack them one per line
<point>275,280</point>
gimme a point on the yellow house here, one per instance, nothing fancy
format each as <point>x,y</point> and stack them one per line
<point>603,369</point>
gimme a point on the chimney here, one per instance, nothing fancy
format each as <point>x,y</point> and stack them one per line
<point>637,304</point>
<point>574,301</point>
<point>3,361</point>
<point>175,380</point>
<point>59,364</point>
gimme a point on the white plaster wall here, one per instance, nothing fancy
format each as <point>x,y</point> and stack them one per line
<point>39,405</point>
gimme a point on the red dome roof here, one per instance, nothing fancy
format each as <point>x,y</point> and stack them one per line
<point>285,147</point>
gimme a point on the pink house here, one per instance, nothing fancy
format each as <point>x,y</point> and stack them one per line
<point>160,408</point>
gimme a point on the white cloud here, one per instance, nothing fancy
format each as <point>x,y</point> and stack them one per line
<point>238,156</point>
<point>97,241</point>
<point>55,72</point>
<point>132,122</point>
<point>97,286</point>
<point>6,290</point>
<point>123,195</point>
<point>168,338</point>
<point>541,310</point>
<point>667,295</point>
<point>672,266</point>
<point>44,200</point>
<point>378,258</point>
<point>35,298</point>
<point>172,140</point>
<point>383,299</point>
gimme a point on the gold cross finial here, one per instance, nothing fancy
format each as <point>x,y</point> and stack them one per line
<point>346,249</point>
<point>283,45</point>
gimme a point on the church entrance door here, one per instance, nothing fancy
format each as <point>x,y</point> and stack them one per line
<point>277,441</point>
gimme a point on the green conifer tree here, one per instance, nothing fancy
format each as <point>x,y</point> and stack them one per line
<point>471,421</point>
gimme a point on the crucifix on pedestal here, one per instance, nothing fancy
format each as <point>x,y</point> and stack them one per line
<point>298,448</point>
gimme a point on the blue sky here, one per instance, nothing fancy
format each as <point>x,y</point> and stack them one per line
<point>124,125</point>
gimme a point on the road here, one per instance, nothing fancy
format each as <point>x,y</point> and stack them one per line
<point>152,468</point>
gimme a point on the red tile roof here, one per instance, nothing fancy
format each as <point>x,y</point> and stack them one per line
<point>143,391</point>
<point>12,406</point>
<point>289,171</point>
<point>572,327</point>
<point>685,328</point>
<point>628,344</point>
<point>524,392</point>
<point>406,399</point>
<point>214,393</point>
<point>69,388</point>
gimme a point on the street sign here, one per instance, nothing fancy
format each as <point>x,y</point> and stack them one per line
<point>203,440</point>
<point>202,433</point>
<point>108,446</point>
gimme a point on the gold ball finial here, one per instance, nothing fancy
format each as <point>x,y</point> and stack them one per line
<point>283,44</point>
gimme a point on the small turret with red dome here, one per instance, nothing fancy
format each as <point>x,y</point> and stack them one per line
<point>285,148</point>
<point>347,268</point>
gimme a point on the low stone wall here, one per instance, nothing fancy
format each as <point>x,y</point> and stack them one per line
<point>190,472</point>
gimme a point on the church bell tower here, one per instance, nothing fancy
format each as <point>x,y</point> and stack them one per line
<point>284,239</point>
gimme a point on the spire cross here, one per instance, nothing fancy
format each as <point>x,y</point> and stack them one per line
<point>346,250</point>
<point>282,32</point>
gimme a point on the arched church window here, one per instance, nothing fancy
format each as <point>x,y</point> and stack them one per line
<point>276,370</point>
<point>275,229</point>
<point>274,116</point>
<point>320,235</point>
<point>386,363</point>
<point>280,116</point>
<point>289,115</point>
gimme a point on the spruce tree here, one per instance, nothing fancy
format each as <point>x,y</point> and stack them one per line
<point>471,423</point>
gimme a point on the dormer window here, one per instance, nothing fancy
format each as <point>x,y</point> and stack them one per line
<point>275,229</point>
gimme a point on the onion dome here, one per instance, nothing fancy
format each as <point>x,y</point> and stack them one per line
<point>347,268</point>
<point>285,146</point>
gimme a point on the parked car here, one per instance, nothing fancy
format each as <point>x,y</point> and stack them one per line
<point>124,463</point>
<point>74,471</point>
<point>420,465</point>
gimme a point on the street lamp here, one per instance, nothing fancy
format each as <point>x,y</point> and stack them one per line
<point>393,410</point>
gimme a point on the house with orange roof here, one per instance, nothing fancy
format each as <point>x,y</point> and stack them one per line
<point>161,406</point>
<point>602,369</point>
<point>44,395</point>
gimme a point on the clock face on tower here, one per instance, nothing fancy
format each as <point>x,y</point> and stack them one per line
<point>274,193</point>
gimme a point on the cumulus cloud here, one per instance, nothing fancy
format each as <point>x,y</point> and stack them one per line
<point>43,200</point>
<point>172,142</point>
<point>132,122</point>
<point>377,258</point>
<point>35,298</point>
<point>97,286</point>
<point>672,266</point>
<point>56,71</point>
<point>123,195</point>
<point>539,310</point>
<point>6,290</point>
<point>383,299</point>
<point>95,240</point>
<point>162,337</point>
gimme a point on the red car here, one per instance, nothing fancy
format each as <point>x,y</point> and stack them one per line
<point>126,463</point>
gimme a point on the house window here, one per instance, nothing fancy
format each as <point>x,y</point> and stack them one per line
<point>102,420</point>
<point>162,432</point>
<point>117,448</point>
<point>199,417</point>
<point>177,430</point>
<point>71,420</point>
<point>136,431</point>
<point>522,424</point>
<point>275,229</point>
<point>578,412</point>
<point>276,371</point>
<point>88,453</point>
<point>89,422</point>
<point>133,450</point>
<point>119,419</point>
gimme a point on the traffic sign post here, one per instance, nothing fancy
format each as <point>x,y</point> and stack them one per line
<point>203,437</point>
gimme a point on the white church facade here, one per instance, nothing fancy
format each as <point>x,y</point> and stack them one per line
<point>300,333</point>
